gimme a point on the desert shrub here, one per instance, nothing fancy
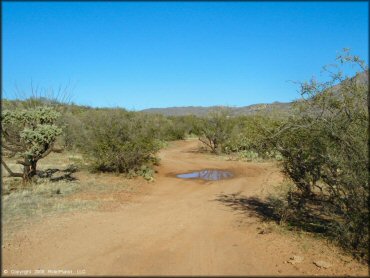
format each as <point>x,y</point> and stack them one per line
<point>115,140</point>
<point>120,141</point>
<point>214,130</point>
<point>72,129</point>
<point>325,153</point>
<point>248,155</point>
<point>184,125</point>
<point>144,171</point>
<point>167,128</point>
<point>248,137</point>
<point>71,121</point>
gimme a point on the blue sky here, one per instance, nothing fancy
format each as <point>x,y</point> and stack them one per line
<point>161,54</point>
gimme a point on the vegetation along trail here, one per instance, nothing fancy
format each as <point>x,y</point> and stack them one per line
<point>181,227</point>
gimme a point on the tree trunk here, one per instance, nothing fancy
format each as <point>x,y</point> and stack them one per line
<point>11,173</point>
<point>29,170</point>
<point>33,168</point>
<point>26,170</point>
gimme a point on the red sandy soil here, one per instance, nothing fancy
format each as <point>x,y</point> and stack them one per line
<point>177,227</point>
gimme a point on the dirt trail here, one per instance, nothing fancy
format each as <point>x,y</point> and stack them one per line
<point>177,228</point>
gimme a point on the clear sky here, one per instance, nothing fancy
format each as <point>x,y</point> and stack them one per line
<point>161,54</point>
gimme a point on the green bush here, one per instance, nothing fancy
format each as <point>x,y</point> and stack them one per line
<point>117,141</point>
<point>214,130</point>
<point>325,153</point>
<point>248,155</point>
<point>248,137</point>
<point>167,128</point>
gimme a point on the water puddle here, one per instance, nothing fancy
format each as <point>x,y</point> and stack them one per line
<point>207,174</point>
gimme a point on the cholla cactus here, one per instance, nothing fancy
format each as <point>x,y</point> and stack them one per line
<point>28,134</point>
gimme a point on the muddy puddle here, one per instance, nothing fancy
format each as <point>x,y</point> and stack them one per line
<point>207,174</point>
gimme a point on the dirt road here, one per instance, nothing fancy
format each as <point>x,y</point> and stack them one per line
<point>180,227</point>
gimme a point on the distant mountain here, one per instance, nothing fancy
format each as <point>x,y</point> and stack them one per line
<point>275,108</point>
<point>280,107</point>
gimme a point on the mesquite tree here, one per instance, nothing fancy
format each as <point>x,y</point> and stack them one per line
<point>215,129</point>
<point>28,134</point>
<point>325,153</point>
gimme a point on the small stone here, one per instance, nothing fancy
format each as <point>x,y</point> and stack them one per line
<point>264,231</point>
<point>346,259</point>
<point>58,175</point>
<point>295,260</point>
<point>322,264</point>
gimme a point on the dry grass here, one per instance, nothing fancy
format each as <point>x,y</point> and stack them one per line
<point>27,204</point>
